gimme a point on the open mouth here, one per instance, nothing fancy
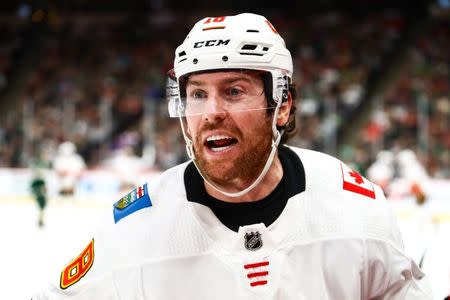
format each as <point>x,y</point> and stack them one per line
<point>217,143</point>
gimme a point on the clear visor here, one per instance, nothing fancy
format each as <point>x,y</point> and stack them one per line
<point>216,92</point>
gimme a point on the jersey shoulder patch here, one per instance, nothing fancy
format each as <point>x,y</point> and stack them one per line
<point>353,182</point>
<point>78,267</point>
<point>136,200</point>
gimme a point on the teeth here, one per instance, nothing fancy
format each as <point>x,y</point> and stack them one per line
<point>219,148</point>
<point>217,137</point>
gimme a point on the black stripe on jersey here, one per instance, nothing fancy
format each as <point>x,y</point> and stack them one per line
<point>266,210</point>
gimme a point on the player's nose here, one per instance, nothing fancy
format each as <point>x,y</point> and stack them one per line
<point>214,107</point>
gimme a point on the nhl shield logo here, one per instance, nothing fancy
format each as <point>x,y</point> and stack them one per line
<point>253,241</point>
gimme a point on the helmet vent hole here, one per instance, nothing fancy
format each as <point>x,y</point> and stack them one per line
<point>249,47</point>
<point>252,30</point>
<point>214,27</point>
<point>195,61</point>
<point>265,49</point>
<point>253,54</point>
<point>182,53</point>
<point>225,58</point>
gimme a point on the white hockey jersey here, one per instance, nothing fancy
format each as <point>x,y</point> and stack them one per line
<point>337,239</point>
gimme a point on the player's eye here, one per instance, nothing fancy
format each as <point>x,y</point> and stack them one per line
<point>197,95</point>
<point>234,93</point>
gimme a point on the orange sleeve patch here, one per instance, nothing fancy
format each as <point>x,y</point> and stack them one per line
<point>78,267</point>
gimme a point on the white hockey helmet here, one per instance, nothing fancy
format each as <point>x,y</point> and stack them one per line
<point>66,148</point>
<point>241,42</point>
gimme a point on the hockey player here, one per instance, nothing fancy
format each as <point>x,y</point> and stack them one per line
<point>413,174</point>
<point>381,172</point>
<point>247,217</point>
<point>39,189</point>
<point>68,165</point>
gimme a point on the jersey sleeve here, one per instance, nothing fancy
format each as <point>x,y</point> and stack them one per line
<point>390,274</point>
<point>99,271</point>
<point>109,255</point>
<point>99,288</point>
<point>83,273</point>
<point>80,278</point>
<point>362,211</point>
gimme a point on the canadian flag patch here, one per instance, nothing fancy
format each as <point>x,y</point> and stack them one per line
<point>354,182</point>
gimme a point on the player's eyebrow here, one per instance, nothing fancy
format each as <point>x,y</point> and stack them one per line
<point>238,78</point>
<point>228,80</point>
<point>195,82</point>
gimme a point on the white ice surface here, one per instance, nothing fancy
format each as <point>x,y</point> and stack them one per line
<point>29,254</point>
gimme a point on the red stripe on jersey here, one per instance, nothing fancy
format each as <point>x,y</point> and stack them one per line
<point>257,274</point>
<point>261,282</point>
<point>256,265</point>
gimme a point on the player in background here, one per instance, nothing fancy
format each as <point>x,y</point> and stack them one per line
<point>414,173</point>
<point>126,164</point>
<point>382,171</point>
<point>39,188</point>
<point>68,165</point>
<point>400,175</point>
<point>247,217</point>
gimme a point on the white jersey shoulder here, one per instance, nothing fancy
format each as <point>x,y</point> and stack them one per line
<point>344,202</point>
<point>163,227</point>
<point>142,199</point>
<point>152,223</point>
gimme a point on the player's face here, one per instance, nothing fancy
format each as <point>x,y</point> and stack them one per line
<point>231,145</point>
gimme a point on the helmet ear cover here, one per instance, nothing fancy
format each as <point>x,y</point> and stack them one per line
<point>268,89</point>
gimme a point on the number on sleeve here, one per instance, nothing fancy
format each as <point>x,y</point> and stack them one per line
<point>78,267</point>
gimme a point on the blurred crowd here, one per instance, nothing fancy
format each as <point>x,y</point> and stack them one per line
<point>414,112</point>
<point>11,43</point>
<point>11,40</point>
<point>335,55</point>
<point>100,83</point>
<point>94,79</point>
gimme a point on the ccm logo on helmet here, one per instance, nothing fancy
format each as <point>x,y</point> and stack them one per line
<point>211,43</point>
